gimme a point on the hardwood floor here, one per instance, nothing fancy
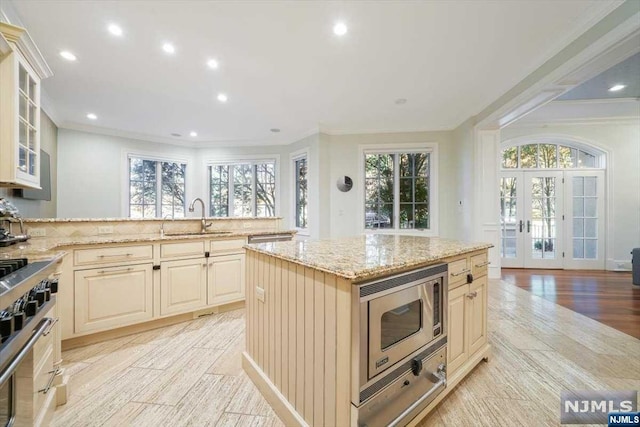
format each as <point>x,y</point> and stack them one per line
<point>190,374</point>
<point>606,296</point>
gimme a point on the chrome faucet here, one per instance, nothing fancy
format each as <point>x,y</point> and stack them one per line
<point>204,227</point>
<point>163,220</point>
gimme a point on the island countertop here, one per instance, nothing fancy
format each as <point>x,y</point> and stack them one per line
<point>367,256</point>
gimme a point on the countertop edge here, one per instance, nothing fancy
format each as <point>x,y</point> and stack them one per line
<point>65,220</point>
<point>379,271</point>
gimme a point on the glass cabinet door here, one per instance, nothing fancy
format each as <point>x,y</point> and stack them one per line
<point>28,124</point>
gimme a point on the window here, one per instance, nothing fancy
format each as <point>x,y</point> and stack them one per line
<point>398,192</point>
<point>300,180</point>
<point>548,156</point>
<point>156,188</point>
<point>243,189</point>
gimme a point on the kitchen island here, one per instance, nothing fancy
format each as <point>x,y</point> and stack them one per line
<point>304,334</point>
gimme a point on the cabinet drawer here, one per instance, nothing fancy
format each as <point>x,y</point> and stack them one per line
<point>168,250</point>
<point>112,254</point>
<point>458,271</point>
<point>479,264</point>
<point>232,245</point>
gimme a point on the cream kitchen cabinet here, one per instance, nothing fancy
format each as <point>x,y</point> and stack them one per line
<point>109,297</point>
<point>467,321</point>
<point>226,279</point>
<point>183,286</point>
<point>21,70</point>
<point>121,285</point>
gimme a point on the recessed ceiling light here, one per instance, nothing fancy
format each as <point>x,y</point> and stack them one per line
<point>177,135</point>
<point>274,130</point>
<point>115,30</point>
<point>212,63</point>
<point>340,29</point>
<point>68,55</point>
<point>91,116</point>
<point>168,48</point>
<point>617,87</point>
<point>401,101</point>
<point>222,97</point>
<point>193,133</point>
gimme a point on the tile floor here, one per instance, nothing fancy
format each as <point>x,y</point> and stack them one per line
<point>190,374</point>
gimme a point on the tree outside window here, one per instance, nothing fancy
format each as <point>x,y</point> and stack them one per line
<point>156,188</point>
<point>301,194</point>
<point>408,200</point>
<point>242,189</point>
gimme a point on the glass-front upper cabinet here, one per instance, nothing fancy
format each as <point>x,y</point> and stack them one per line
<point>21,69</point>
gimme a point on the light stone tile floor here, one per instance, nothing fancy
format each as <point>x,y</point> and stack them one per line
<point>190,374</point>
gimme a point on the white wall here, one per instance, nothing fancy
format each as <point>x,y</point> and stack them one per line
<point>92,170</point>
<point>345,160</point>
<point>40,208</point>
<point>622,141</point>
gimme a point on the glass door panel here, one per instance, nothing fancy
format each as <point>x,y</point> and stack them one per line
<point>543,204</point>
<point>511,219</point>
<point>584,194</point>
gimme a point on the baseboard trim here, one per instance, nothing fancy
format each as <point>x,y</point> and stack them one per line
<point>97,337</point>
<point>278,402</point>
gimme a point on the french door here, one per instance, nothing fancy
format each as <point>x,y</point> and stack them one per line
<point>552,219</point>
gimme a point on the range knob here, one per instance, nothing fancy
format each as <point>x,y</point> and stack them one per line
<point>54,286</point>
<point>18,320</point>
<point>416,366</point>
<point>31,308</point>
<point>6,326</point>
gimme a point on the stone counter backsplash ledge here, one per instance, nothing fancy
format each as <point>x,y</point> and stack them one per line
<point>73,227</point>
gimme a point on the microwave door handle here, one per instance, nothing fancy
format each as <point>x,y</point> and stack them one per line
<point>398,420</point>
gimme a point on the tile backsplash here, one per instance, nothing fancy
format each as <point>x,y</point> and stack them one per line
<point>119,226</point>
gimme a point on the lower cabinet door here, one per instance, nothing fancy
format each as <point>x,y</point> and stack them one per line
<point>457,340</point>
<point>106,298</point>
<point>226,279</point>
<point>183,285</point>
<point>477,316</point>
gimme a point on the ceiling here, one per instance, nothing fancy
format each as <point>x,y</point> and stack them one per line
<point>592,100</point>
<point>282,67</point>
<point>625,73</point>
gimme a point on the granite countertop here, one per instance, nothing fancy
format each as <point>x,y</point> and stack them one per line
<point>226,218</point>
<point>38,248</point>
<point>367,256</point>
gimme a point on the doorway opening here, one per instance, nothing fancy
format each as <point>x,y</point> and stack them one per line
<point>552,214</point>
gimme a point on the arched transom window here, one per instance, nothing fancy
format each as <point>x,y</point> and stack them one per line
<point>545,155</point>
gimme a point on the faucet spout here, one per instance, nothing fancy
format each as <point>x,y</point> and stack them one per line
<point>204,225</point>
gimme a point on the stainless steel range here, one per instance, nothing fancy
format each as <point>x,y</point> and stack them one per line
<point>399,340</point>
<point>26,294</point>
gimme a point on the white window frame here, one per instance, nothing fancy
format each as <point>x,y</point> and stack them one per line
<point>297,155</point>
<point>231,160</point>
<point>390,148</point>
<point>125,192</point>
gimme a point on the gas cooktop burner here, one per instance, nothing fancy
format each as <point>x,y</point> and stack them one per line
<point>8,266</point>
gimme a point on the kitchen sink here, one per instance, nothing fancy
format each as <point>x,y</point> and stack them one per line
<point>197,233</point>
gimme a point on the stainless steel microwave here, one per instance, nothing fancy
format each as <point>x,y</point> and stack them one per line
<point>397,317</point>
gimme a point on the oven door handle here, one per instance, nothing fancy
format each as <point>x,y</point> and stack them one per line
<point>37,333</point>
<point>399,419</point>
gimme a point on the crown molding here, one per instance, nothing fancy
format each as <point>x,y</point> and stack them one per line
<point>628,100</point>
<point>23,41</point>
<point>622,120</point>
<point>182,142</point>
